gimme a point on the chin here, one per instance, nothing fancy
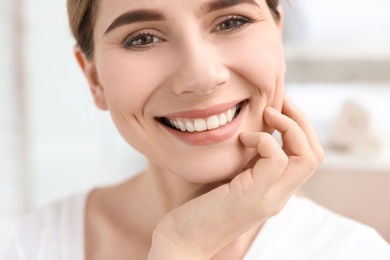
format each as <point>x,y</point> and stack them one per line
<point>216,167</point>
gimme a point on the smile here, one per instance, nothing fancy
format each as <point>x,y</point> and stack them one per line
<point>203,124</point>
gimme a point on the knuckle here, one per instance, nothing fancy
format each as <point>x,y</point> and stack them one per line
<point>264,138</point>
<point>267,137</point>
<point>309,163</point>
<point>282,159</point>
<point>320,155</point>
<point>293,123</point>
<point>312,163</point>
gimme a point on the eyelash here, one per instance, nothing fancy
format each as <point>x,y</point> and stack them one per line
<point>235,18</point>
<point>130,40</point>
<point>144,35</point>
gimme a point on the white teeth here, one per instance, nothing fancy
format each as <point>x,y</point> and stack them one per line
<point>212,122</point>
<point>204,124</point>
<point>222,119</point>
<point>229,115</point>
<point>182,126</point>
<point>174,123</point>
<point>200,125</point>
<point>190,127</point>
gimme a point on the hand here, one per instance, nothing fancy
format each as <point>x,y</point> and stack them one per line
<point>201,227</point>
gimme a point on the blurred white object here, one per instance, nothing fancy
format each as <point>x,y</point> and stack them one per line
<point>351,131</point>
<point>323,104</point>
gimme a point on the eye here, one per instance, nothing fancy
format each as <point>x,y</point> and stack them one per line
<point>141,40</point>
<point>232,23</point>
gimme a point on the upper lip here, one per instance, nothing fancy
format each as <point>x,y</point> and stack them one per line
<point>203,113</point>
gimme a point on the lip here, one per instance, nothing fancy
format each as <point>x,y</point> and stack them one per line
<point>210,136</point>
<point>202,113</point>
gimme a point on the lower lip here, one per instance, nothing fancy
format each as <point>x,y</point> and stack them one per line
<point>211,136</point>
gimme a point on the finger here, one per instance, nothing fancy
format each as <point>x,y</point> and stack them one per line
<point>272,161</point>
<point>297,172</point>
<point>302,159</point>
<point>292,111</point>
<point>294,139</point>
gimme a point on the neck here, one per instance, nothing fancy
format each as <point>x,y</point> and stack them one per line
<point>171,190</point>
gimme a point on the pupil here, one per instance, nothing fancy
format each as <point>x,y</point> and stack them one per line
<point>143,40</point>
<point>229,24</point>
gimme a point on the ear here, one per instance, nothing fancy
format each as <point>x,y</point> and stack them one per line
<point>89,69</point>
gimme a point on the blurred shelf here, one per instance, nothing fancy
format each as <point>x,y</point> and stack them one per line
<point>336,51</point>
<point>335,161</point>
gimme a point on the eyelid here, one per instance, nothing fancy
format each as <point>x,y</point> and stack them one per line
<point>132,36</point>
<point>248,20</point>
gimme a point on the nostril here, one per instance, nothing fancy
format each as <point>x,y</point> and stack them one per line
<point>198,87</point>
<point>200,75</point>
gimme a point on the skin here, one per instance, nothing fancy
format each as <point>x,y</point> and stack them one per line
<point>206,198</point>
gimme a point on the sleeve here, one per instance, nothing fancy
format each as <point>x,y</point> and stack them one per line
<point>370,245</point>
<point>26,243</point>
<point>53,232</point>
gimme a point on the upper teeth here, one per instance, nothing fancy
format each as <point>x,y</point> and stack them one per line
<point>204,124</point>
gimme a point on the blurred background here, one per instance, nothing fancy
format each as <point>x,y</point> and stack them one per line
<point>54,142</point>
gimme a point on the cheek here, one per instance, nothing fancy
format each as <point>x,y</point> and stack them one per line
<point>128,84</point>
<point>259,60</point>
<point>130,87</point>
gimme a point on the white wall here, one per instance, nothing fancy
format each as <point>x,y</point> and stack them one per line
<point>73,145</point>
<point>338,28</point>
<point>12,157</point>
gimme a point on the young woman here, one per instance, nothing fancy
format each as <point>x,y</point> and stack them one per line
<point>197,87</point>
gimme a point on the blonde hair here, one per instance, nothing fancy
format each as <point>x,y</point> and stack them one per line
<point>82,16</point>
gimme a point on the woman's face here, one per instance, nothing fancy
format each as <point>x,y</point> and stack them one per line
<point>183,78</point>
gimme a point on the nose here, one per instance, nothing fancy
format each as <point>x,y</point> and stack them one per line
<point>200,70</point>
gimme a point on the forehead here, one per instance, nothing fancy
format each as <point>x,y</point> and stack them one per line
<point>170,3</point>
<point>110,9</point>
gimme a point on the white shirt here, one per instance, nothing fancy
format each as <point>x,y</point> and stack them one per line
<point>303,230</point>
<point>56,232</point>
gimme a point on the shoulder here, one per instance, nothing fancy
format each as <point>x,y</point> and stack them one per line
<point>50,229</point>
<point>306,230</point>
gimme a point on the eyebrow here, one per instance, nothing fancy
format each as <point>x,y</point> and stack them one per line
<point>141,15</point>
<point>221,4</point>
